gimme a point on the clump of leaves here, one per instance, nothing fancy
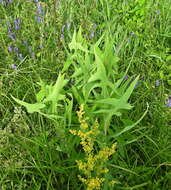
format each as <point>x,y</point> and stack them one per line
<point>98,83</point>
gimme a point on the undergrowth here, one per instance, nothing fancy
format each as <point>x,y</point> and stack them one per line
<point>112,58</point>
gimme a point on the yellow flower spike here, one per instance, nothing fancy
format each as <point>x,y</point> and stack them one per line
<point>93,166</point>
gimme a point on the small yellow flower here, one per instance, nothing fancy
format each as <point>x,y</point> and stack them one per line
<point>81,165</point>
<point>74,132</point>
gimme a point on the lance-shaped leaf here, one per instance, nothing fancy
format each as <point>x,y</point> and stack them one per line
<point>113,105</point>
<point>130,89</point>
<point>88,88</point>
<point>100,73</point>
<point>127,128</point>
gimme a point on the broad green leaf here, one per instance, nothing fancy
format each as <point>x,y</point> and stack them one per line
<point>42,93</point>
<point>116,104</point>
<point>76,45</point>
<point>31,108</point>
<point>109,111</point>
<point>55,95</point>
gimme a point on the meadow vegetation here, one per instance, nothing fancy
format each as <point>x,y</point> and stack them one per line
<point>85,94</point>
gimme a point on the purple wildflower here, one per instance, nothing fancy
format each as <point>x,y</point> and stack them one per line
<point>31,52</point>
<point>17,23</point>
<point>157,83</point>
<point>16,49</point>
<point>40,12</point>
<point>39,8</point>
<point>126,77</point>
<point>13,66</point>
<point>9,27</point>
<point>10,48</point>
<point>7,23</point>
<point>39,19</point>
<point>12,36</point>
<point>136,85</point>
<point>169,103</point>
<point>63,27</point>
<point>92,34</point>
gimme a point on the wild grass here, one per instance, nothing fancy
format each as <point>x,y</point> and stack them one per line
<point>112,57</point>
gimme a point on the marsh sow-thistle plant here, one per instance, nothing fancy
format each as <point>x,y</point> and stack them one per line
<point>93,166</point>
<point>98,83</point>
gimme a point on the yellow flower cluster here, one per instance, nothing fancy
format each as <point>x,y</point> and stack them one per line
<point>106,152</point>
<point>93,166</point>
<point>92,183</point>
